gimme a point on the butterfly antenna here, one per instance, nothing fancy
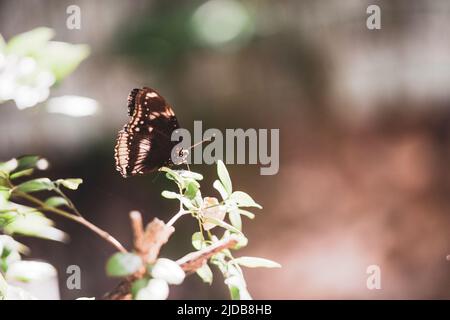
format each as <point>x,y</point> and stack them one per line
<point>203,141</point>
<point>195,145</point>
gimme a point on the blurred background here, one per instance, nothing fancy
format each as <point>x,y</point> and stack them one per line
<point>364,119</point>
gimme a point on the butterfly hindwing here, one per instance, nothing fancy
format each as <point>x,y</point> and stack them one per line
<point>144,143</point>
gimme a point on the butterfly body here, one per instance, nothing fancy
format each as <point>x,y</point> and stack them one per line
<point>144,144</point>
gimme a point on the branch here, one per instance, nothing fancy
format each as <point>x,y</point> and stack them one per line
<point>77,218</point>
<point>195,260</point>
<point>148,244</point>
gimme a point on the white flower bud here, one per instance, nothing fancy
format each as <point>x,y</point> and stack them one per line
<point>156,289</point>
<point>168,270</point>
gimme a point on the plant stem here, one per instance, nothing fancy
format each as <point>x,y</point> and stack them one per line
<point>176,217</point>
<point>102,233</point>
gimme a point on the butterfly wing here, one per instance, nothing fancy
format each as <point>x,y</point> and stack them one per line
<point>144,143</point>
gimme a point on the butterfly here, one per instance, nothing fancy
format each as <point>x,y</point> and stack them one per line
<point>144,144</point>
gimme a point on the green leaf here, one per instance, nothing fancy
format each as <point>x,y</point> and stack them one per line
<point>173,175</point>
<point>173,195</point>
<point>3,183</point>
<point>8,166</point>
<point>23,173</point>
<point>29,43</point>
<point>138,285</point>
<point>62,58</point>
<point>27,162</point>
<point>197,240</point>
<point>123,264</point>
<point>35,224</point>
<point>236,284</point>
<point>190,175</point>
<point>234,293</point>
<point>170,194</point>
<point>71,183</point>
<point>56,202</point>
<point>244,200</point>
<point>254,262</point>
<point>191,189</point>
<point>224,176</point>
<point>222,224</point>
<point>235,219</point>
<point>12,245</point>
<point>242,242</point>
<point>7,218</point>
<point>219,187</point>
<point>246,213</point>
<point>205,273</point>
<point>36,185</point>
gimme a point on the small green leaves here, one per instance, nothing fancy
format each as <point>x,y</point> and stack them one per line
<point>29,42</point>
<point>235,219</point>
<point>192,187</point>
<point>170,194</point>
<point>242,199</point>
<point>62,58</point>
<point>20,167</point>
<point>190,175</point>
<point>34,224</point>
<point>27,162</point>
<point>197,240</point>
<point>210,213</point>
<point>173,195</point>
<point>219,187</point>
<point>8,166</point>
<point>23,173</point>
<point>222,224</point>
<point>71,183</point>
<point>35,185</point>
<point>246,213</point>
<point>224,177</point>
<point>254,262</point>
<point>173,175</point>
<point>56,202</point>
<point>236,283</point>
<point>205,273</point>
<point>123,264</point>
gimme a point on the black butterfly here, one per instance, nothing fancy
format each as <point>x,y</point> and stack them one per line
<point>144,143</point>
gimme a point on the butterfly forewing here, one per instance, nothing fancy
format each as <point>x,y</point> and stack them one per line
<point>144,144</point>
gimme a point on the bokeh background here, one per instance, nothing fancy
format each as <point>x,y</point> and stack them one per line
<point>364,119</point>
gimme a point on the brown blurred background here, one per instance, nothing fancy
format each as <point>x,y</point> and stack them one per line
<point>364,119</point>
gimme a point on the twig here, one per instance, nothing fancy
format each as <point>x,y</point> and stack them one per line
<point>195,260</point>
<point>102,233</point>
<point>147,244</point>
<point>176,217</point>
<point>155,236</point>
<point>138,231</point>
